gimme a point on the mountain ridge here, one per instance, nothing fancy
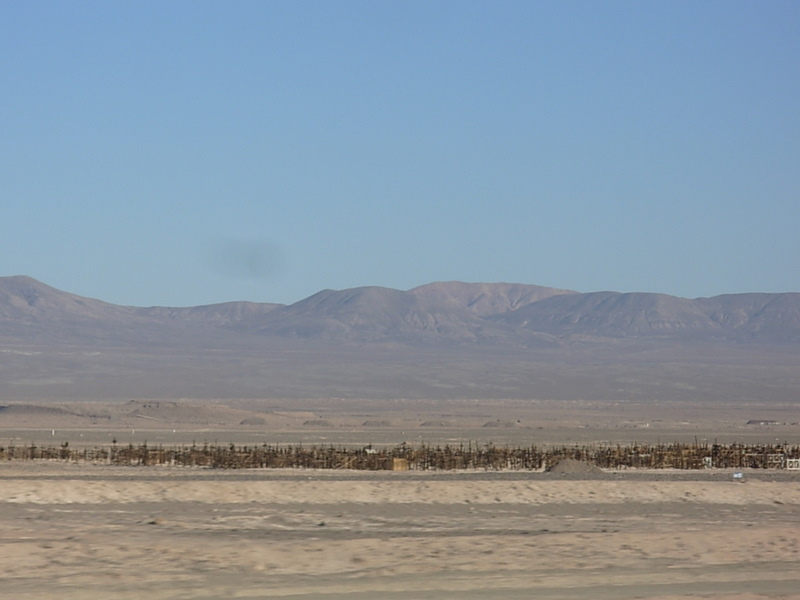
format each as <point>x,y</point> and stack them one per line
<point>446,340</point>
<point>435,312</point>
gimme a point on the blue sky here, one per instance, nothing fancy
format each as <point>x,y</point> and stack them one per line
<point>184,153</point>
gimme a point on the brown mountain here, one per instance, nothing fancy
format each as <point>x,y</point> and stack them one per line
<point>767,318</point>
<point>439,340</point>
<point>430,314</point>
<point>32,312</point>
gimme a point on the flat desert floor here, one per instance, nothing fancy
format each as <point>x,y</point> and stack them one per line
<point>90,531</point>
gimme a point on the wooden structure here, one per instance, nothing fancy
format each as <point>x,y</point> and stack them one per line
<point>424,457</point>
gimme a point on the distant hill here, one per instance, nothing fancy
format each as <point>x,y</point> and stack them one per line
<point>32,312</point>
<point>446,339</point>
<point>768,318</point>
<point>520,315</point>
<point>435,313</point>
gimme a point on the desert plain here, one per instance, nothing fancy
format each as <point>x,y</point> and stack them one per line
<point>88,531</point>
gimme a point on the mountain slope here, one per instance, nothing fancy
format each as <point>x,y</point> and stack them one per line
<point>768,318</point>
<point>446,312</point>
<point>774,317</point>
<point>441,340</point>
<point>615,315</point>
<point>483,299</point>
<point>32,312</point>
<point>438,312</point>
<point>27,299</point>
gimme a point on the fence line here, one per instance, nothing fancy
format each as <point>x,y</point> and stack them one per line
<point>420,458</point>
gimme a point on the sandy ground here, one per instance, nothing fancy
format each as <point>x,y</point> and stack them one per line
<point>389,423</point>
<point>92,531</point>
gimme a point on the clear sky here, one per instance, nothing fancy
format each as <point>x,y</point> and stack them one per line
<point>191,152</point>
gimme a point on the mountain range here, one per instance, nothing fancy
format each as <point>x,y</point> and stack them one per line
<point>440,340</point>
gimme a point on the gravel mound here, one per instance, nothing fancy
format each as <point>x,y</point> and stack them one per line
<point>570,466</point>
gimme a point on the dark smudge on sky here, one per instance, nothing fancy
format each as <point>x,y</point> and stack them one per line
<point>243,258</point>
